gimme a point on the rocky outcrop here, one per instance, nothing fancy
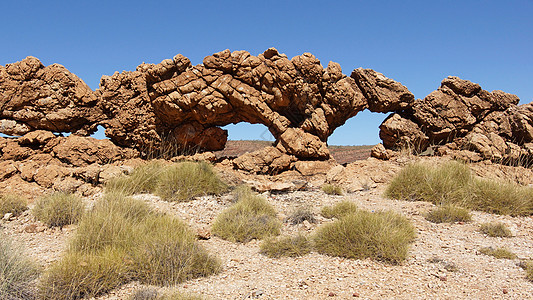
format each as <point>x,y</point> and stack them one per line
<point>51,98</point>
<point>462,119</point>
<point>170,108</point>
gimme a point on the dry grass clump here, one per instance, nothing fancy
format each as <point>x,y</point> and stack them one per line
<point>59,209</point>
<point>495,229</point>
<point>528,266</point>
<point>121,240</point>
<point>332,189</point>
<point>292,246</point>
<point>301,214</point>
<point>448,214</point>
<point>251,217</point>
<point>143,179</point>
<point>453,183</point>
<point>501,253</point>
<point>12,204</point>
<point>185,180</point>
<point>16,271</point>
<point>176,182</point>
<point>383,236</point>
<point>339,209</point>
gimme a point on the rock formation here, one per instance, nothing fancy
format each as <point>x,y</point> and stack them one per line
<point>172,107</point>
<point>462,119</point>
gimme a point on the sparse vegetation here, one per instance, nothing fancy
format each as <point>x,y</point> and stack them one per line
<point>16,271</point>
<point>495,229</point>
<point>453,183</point>
<point>121,240</point>
<point>383,236</point>
<point>251,217</point>
<point>448,214</point>
<point>14,204</point>
<point>332,189</point>
<point>527,265</point>
<point>185,180</point>
<point>175,182</point>
<point>339,209</point>
<point>59,209</point>
<point>143,179</point>
<point>501,253</point>
<point>291,246</point>
<point>301,214</point>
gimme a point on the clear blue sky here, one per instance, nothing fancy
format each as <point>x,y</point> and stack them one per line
<point>417,43</point>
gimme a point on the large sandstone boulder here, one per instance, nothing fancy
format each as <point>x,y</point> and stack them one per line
<point>33,97</point>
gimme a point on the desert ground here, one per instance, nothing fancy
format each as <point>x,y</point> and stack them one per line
<point>444,261</point>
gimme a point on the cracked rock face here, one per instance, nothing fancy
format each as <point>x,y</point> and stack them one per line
<point>299,101</point>
<point>51,98</point>
<point>173,107</point>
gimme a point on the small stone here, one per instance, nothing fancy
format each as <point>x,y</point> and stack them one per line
<point>332,294</point>
<point>7,216</point>
<point>355,294</point>
<point>505,291</point>
<point>443,278</point>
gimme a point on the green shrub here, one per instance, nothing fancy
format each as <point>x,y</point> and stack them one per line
<point>175,182</point>
<point>495,229</point>
<point>186,180</point>
<point>16,271</point>
<point>339,209</point>
<point>501,253</point>
<point>292,246</point>
<point>251,217</point>
<point>331,189</point>
<point>448,214</point>
<point>59,209</point>
<point>152,294</point>
<point>12,204</point>
<point>301,214</point>
<point>453,183</point>
<point>383,236</point>
<point>121,240</point>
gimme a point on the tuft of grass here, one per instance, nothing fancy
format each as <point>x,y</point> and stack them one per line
<point>301,214</point>
<point>143,179</point>
<point>500,253</point>
<point>59,209</point>
<point>12,204</point>
<point>292,246</point>
<point>145,294</point>
<point>339,209</point>
<point>332,189</point>
<point>495,229</point>
<point>175,182</point>
<point>17,272</point>
<point>453,183</point>
<point>383,236</point>
<point>185,180</point>
<point>448,214</point>
<point>121,240</point>
<point>251,217</point>
<point>528,266</point>
<point>499,197</point>
<point>177,295</point>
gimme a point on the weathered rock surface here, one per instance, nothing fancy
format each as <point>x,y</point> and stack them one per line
<point>51,98</point>
<point>465,121</point>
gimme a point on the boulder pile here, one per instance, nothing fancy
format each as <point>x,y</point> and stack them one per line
<point>174,107</point>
